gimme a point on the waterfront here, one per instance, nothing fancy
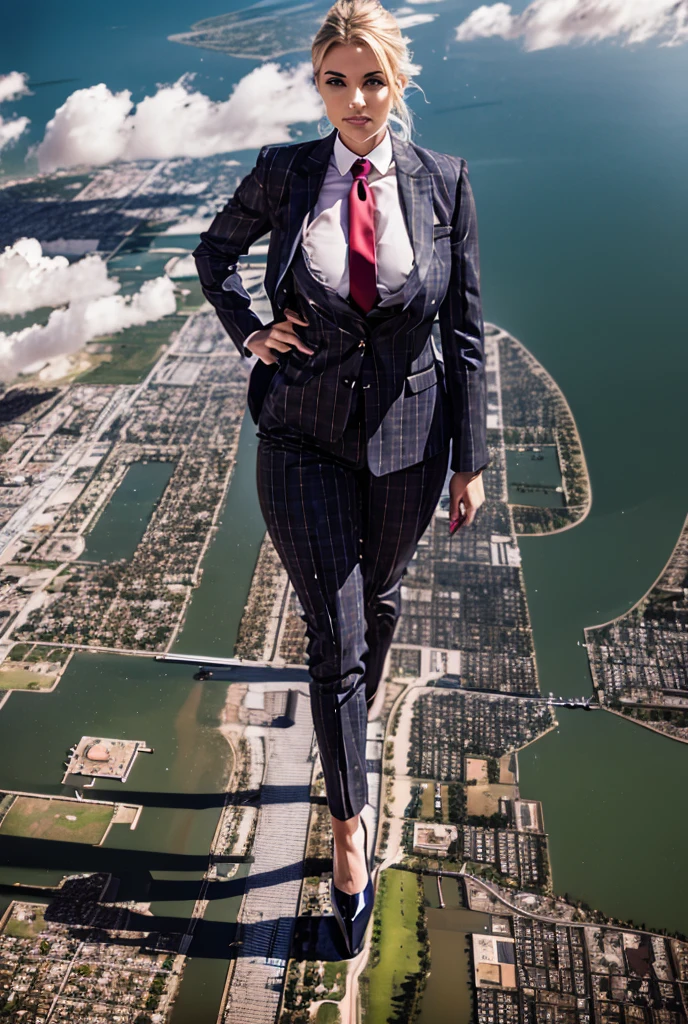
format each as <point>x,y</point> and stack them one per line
<point>122,523</point>
<point>587,773</point>
<point>181,786</point>
<point>213,617</point>
<point>450,984</point>
<point>610,789</point>
<point>577,167</point>
<point>613,804</point>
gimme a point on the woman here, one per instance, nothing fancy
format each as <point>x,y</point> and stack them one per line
<point>360,405</point>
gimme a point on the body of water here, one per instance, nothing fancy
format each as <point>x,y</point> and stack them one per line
<point>181,785</point>
<point>533,477</point>
<point>577,156</point>
<point>448,996</point>
<point>123,521</point>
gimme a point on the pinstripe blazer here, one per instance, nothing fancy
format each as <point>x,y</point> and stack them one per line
<point>413,404</point>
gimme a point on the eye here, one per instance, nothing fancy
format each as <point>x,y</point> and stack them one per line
<point>338,81</point>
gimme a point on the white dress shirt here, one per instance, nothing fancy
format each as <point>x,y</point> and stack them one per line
<point>325,240</point>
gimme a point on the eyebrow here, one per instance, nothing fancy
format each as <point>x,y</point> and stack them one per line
<point>342,75</point>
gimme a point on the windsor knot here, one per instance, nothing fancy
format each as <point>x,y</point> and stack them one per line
<point>361,168</point>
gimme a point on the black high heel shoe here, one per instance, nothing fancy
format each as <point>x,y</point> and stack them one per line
<point>352,910</point>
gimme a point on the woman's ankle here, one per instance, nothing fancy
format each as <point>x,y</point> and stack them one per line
<point>349,868</point>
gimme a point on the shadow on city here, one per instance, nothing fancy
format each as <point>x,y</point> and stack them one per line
<point>133,883</point>
<point>104,219</point>
<point>202,801</point>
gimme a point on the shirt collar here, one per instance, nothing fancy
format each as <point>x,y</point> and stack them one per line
<point>380,157</point>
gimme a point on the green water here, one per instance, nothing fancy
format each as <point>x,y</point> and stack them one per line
<point>533,476</point>
<point>133,268</point>
<point>123,521</point>
<point>613,792</point>
<point>188,242</point>
<point>617,824</point>
<point>181,785</point>
<point>215,613</point>
<point>577,156</point>
<point>448,996</point>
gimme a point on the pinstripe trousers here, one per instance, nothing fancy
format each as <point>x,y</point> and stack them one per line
<point>345,538</point>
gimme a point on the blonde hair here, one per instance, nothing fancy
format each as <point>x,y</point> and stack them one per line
<point>368,22</point>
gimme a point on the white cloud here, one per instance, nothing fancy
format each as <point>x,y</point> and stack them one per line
<point>67,330</point>
<point>94,126</point>
<point>189,226</point>
<point>408,18</point>
<point>29,280</point>
<point>182,266</point>
<point>546,23</point>
<point>11,130</point>
<point>14,85</point>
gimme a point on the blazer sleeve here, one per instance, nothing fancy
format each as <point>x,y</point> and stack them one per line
<point>240,223</point>
<point>462,334</point>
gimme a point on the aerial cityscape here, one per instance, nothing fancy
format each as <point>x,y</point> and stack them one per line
<point>165,841</point>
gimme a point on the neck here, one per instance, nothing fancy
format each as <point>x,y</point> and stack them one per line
<point>361,147</point>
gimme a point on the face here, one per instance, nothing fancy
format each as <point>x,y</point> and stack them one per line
<point>353,85</point>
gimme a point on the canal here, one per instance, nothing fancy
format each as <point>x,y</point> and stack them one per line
<point>182,784</point>
<point>122,523</point>
<point>610,790</point>
<point>448,995</point>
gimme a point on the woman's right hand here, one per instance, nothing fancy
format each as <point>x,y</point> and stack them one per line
<point>278,338</point>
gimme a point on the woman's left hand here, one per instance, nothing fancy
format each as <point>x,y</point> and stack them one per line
<point>468,488</point>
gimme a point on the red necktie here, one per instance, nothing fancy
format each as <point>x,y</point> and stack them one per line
<point>362,265</point>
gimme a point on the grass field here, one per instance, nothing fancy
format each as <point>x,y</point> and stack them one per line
<point>41,818</point>
<point>134,351</point>
<point>335,974</point>
<point>19,678</point>
<point>427,802</point>
<point>483,798</point>
<point>444,790</point>
<point>397,907</point>
<point>328,1013</point>
<point>27,929</point>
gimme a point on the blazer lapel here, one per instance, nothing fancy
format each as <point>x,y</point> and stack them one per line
<point>414,184</point>
<point>307,179</point>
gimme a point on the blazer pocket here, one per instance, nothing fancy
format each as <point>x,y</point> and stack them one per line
<point>421,381</point>
<point>295,373</point>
